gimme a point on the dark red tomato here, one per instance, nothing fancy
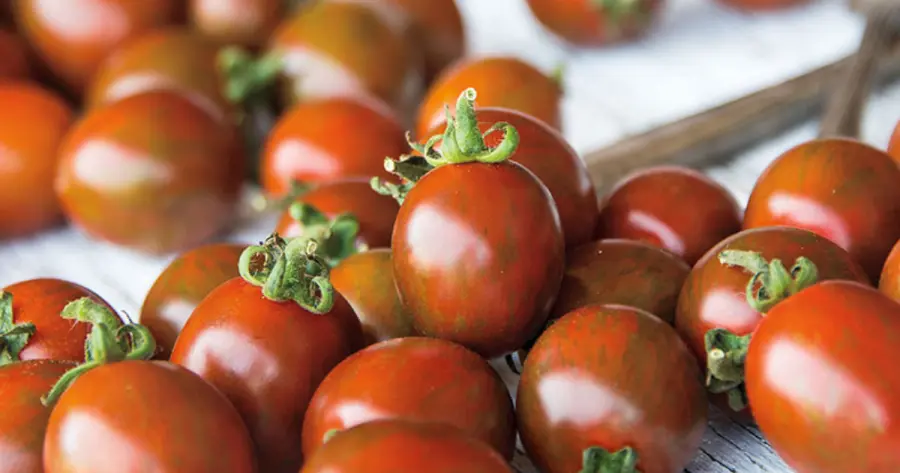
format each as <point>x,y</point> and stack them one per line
<point>820,379</point>
<point>366,280</point>
<point>180,288</point>
<point>40,301</point>
<point>501,82</point>
<point>328,139</point>
<point>15,56</point>
<point>24,419</point>
<point>417,379</point>
<point>672,207</point>
<point>889,283</point>
<point>74,36</point>
<point>611,377</point>
<point>550,157</point>
<point>247,23</point>
<point>593,23</point>
<point>129,415</point>
<point>762,5</point>
<point>151,172</point>
<point>267,358</point>
<point>33,122</point>
<point>894,146</point>
<point>841,189</point>
<point>374,212</point>
<point>391,446</point>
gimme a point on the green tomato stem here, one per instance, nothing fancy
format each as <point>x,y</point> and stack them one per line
<point>599,460</point>
<point>13,337</point>
<point>248,79</point>
<point>775,282</point>
<point>726,354</point>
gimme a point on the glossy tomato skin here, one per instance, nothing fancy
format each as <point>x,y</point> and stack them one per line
<point>587,23</point>
<point>247,23</point>
<point>839,188</point>
<point>145,413</point>
<point>611,376</point>
<point>151,172</point>
<point>267,358</point>
<point>544,151</point>
<point>40,301</point>
<point>889,283</point>
<point>15,56</point>
<point>329,139</point>
<point>33,123</point>
<point>505,82</point>
<point>74,36</point>
<point>24,419</point>
<point>390,446</point>
<point>819,382</point>
<point>894,146</point>
<point>417,379</point>
<point>178,290</point>
<point>762,5</point>
<point>672,207</point>
<point>491,223</point>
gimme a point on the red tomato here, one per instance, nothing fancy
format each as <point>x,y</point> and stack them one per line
<point>417,379</point>
<point>329,139</point>
<point>151,172</point>
<point>246,23</point>
<point>889,283</point>
<point>132,415</point>
<point>613,377</point>
<point>593,23</point>
<point>762,5</point>
<point>40,302</point>
<point>894,146</point>
<point>501,82</point>
<point>74,36</point>
<point>24,419</point>
<point>181,286</point>
<point>390,446</point>
<point>841,189</point>
<point>820,382</point>
<point>15,57</point>
<point>33,122</point>
<point>550,157</point>
<point>672,207</point>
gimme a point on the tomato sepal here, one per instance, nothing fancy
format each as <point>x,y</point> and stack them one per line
<point>600,460</point>
<point>774,280</point>
<point>726,354</point>
<point>13,336</point>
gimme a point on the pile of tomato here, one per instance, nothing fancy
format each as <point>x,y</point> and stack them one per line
<point>359,335</point>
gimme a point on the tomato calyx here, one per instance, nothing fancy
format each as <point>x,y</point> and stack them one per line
<point>726,354</point>
<point>13,336</point>
<point>336,237</point>
<point>599,460</point>
<point>775,281</point>
<point>410,168</point>
<point>247,79</point>
<point>619,12</point>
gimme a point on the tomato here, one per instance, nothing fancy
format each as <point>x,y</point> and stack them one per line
<point>15,57</point>
<point>24,419</point>
<point>328,139</point>
<point>151,172</point>
<point>417,379</point>
<point>74,36</point>
<point>33,122</point>
<point>246,23</point>
<point>390,446</point>
<point>894,146</point>
<point>543,151</point>
<point>501,82</point>
<point>593,23</point>
<point>672,207</point>
<point>612,377</point>
<point>182,285</point>
<point>819,379</point>
<point>889,283</point>
<point>129,415</point>
<point>841,189</point>
<point>762,5</point>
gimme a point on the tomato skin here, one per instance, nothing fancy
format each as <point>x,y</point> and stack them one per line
<point>889,283</point>
<point>417,379</point>
<point>15,63</point>
<point>839,188</point>
<point>466,222</point>
<point>24,419</point>
<point>585,23</point>
<point>644,391</point>
<point>74,36</point>
<point>672,207</point>
<point>267,358</point>
<point>329,139</point>
<point>894,146</point>
<point>146,413</point>
<point>501,82</point>
<point>389,446</point>
<point>151,172</point>
<point>247,23</point>
<point>544,151</point>
<point>762,5</point>
<point>180,287</point>
<point>818,380</point>
<point>33,122</point>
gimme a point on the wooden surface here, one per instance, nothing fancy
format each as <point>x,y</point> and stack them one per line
<point>700,56</point>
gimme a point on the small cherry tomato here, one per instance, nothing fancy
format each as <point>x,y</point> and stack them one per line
<point>596,23</point>
<point>247,23</point>
<point>132,415</point>
<point>391,446</point>
<point>841,189</point>
<point>611,383</point>
<point>181,286</point>
<point>672,207</point>
<point>33,122</point>
<point>894,146</point>
<point>151,172</point>
<point>417,379</point>
<point>15,63</point>
<point>501,82</point>
<point>762,5</point>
